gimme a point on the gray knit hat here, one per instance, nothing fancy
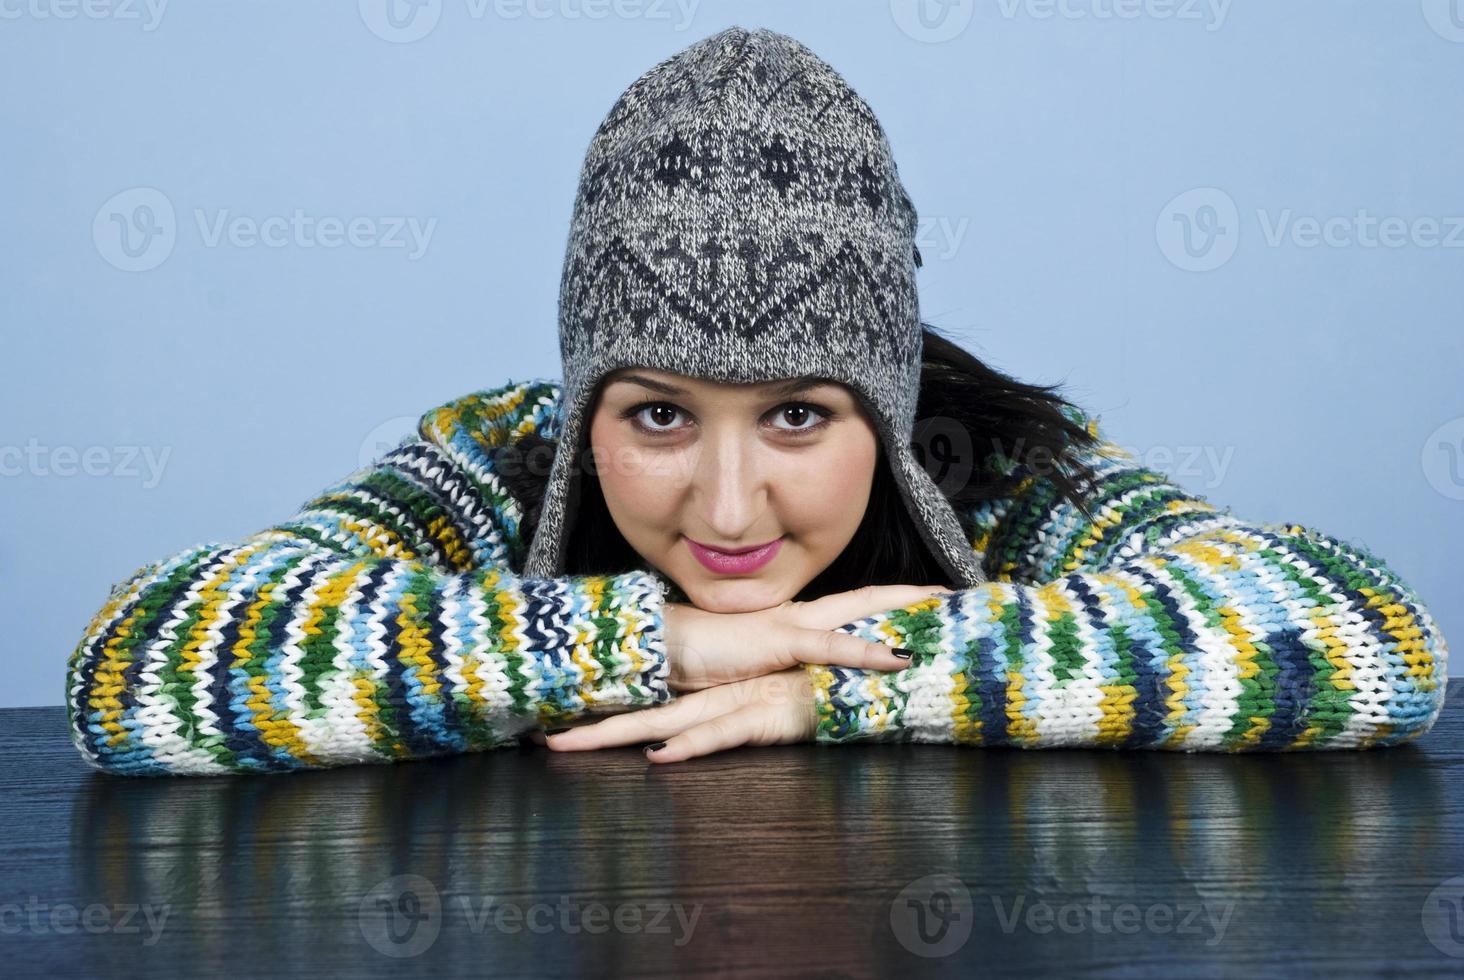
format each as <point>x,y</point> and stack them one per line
<point>740,218</point>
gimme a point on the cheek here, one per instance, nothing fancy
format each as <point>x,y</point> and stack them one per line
<point>830,490</point>
<point>637,486</point>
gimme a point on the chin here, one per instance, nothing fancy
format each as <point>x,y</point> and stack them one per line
<point>737,595</point>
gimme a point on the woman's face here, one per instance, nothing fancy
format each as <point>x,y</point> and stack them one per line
<point>689,467</point>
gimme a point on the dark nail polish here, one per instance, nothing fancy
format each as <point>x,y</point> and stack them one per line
<point>654,746</point>
<point>555,731</point>
<point>901,652</point>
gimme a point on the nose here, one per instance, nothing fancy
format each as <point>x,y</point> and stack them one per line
<point>730,487</point>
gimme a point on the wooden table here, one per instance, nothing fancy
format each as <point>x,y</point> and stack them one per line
<point>832,860</point>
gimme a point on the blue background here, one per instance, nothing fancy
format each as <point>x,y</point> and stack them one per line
<point>1042,143</point>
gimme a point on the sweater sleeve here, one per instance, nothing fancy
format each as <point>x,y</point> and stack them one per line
<point>1164,622</point>
<point>381,622</point>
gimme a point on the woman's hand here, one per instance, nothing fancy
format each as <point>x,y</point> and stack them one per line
<point>774,709</point>
<point>708,649</point>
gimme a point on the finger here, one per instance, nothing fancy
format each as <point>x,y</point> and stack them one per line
<point>648,724</point>
<point>829,646</point>
<point>537,735</point>
<point>832,611</point>
<point>787,646</point>
<point>714,735</point>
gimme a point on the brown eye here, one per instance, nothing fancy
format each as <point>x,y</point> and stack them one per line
<point>799,415</point>
<point>654,417</point>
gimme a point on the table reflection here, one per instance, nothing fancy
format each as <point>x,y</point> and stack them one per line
<point>757,849</point>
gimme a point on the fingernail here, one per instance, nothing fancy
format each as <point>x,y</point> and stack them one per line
<point>901,652</point>
<point>555,731</point>
<point>654,746</point>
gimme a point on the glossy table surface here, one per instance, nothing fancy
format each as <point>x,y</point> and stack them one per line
<point>854,860</point>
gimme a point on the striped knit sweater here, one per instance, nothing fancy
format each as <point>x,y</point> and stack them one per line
<point>385,621</point>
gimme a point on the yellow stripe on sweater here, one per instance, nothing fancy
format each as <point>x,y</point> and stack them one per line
<point>415,647</point>
<point>581,651</point>
<point>1227,565</point>
<point>1117,723</point>
<point>445,533</point>
<point>1403,626</point>
<point>1336,655</point>
<point>383,542</point>
<point>109,682</point>
<point>213,599</point>
<point>277,731</point>
<point>1177,691</point>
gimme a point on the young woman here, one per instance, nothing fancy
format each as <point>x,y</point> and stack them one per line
<point>766,504</point>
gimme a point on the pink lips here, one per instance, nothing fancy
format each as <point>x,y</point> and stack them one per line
<point>743,561</point>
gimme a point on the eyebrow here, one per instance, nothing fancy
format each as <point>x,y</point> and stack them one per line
<point>782,390</point>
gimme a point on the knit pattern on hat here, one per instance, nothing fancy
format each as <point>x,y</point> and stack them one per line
<point>742,189</point>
